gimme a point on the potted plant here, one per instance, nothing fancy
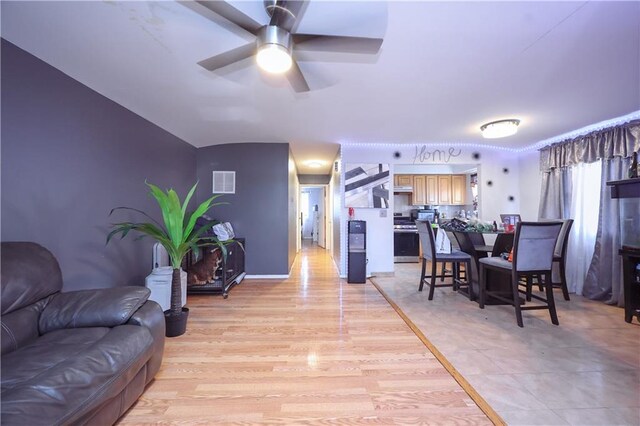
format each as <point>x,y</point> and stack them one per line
<point>177,235</point>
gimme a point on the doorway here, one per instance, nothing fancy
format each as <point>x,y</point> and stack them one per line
<point>313,215</point>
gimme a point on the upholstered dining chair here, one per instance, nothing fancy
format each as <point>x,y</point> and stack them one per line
<point>477,239</point>
<point>466,245</point>
<point>454,246</point>
<point>533,253</point>
<point>456,258</point>
<point>559,261</point>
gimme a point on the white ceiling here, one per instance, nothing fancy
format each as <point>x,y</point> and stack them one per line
<point>443,70</point>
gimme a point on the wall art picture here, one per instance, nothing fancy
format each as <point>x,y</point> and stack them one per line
<point>367,185</point>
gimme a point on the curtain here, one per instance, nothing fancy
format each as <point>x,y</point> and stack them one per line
<point>582,239</point>
<point>604,278</point>
<point>605,144</point>
<point>562,166</point>
<point>555,200</point>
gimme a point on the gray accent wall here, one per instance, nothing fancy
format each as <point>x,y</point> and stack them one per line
<point>69,155</point>
<point>258,210</point>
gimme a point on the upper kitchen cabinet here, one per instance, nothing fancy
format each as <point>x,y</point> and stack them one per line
<point>431,189</point>
<point>458,189</point>
<point>419,190</point>
<point>403,180</point>
<point>444,189</point>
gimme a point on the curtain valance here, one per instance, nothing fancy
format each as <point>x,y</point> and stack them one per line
<point>619,141</point>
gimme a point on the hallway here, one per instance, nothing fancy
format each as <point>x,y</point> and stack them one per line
<point>311,349</point>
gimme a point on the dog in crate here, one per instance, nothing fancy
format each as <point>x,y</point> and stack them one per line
<point>207,269</point>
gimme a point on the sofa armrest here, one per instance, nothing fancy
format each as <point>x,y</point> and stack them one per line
<point>150,315</point>
<point>106,307</point>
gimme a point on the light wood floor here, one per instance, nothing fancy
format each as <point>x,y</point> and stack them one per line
<point>308,350</point>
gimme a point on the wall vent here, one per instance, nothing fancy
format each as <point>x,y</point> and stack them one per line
<point>224,182</point>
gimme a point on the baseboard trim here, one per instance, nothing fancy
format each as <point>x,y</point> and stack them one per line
<point>479,400</point>
<point>267,277</point>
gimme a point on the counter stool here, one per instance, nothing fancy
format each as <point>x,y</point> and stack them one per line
<point>456,258</point>
<point>533,253</point>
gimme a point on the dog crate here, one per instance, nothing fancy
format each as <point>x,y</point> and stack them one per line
<point>230,273</point>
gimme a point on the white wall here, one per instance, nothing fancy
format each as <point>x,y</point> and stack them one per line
<point>293,211</point>
<point>530,181</point>
<point>337,195</point>
<point>322,217</point>
<point>494,199</point>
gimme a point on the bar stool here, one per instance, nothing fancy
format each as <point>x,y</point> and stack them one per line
<point>427,239</point>
<point>455,245</point>
<point>533,251</point>
<point>466,245</point>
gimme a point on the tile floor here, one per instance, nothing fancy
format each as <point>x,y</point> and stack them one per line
<point>584,372</point>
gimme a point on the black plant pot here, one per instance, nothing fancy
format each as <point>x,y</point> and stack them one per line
<point>176,325</point>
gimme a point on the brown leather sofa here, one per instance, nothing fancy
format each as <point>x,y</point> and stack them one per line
<point>81,357</point>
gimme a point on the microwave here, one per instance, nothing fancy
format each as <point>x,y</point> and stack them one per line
<point>426,214</point>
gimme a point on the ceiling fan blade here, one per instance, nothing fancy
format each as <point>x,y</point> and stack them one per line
<point>296,78</point>
<point>232,14</point>
<point>229,57</point>
<point>287,13</point>
<point>328,43</point>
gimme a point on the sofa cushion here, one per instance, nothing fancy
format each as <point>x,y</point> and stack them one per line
<point>20,327</point>
<point>70,372</point>
<point>105,307</point>
<point>29,273</point>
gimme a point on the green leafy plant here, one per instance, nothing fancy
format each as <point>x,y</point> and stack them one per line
<point>178,233</point>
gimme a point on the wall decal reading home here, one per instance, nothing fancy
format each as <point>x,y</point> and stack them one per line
<point>424,155</point>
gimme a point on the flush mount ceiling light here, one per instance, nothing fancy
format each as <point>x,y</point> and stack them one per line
<point>500,128</point>
<point>274,49</point>
<point>315,163</point>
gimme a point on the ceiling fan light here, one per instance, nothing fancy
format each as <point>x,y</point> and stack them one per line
<point>500,128</point>
<point>274,58</point>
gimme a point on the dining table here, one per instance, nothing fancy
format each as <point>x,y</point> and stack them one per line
<point>474,244</point>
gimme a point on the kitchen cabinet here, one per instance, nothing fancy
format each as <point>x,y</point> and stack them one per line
<point>419,190</point>
<point>458,189</point>
<point>403,180</point>
<point>431,189</point>
<point>444,189</point>
<point>439,190</point>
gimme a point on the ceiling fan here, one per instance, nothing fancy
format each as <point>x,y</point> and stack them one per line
<point>276,41</point>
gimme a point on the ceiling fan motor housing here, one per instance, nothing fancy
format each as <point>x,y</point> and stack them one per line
<point>271,34</point>
<point>271,5</point>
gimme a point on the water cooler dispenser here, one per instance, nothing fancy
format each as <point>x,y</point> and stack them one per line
<point>357,251</point>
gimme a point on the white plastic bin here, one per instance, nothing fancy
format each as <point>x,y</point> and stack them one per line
<point>159,282</point>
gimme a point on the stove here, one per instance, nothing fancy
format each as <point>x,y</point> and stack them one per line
<point>405,228</point>
<point>406,241</point>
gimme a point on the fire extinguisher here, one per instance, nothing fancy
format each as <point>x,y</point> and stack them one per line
<point>352,213</point>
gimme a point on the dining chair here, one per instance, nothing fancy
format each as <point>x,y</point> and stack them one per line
<point>533,253</point>
<point>477,239</point>
<point>560,259</point>
<point>454,246</point>
<point>466,245</point>
<point>456,258</point>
